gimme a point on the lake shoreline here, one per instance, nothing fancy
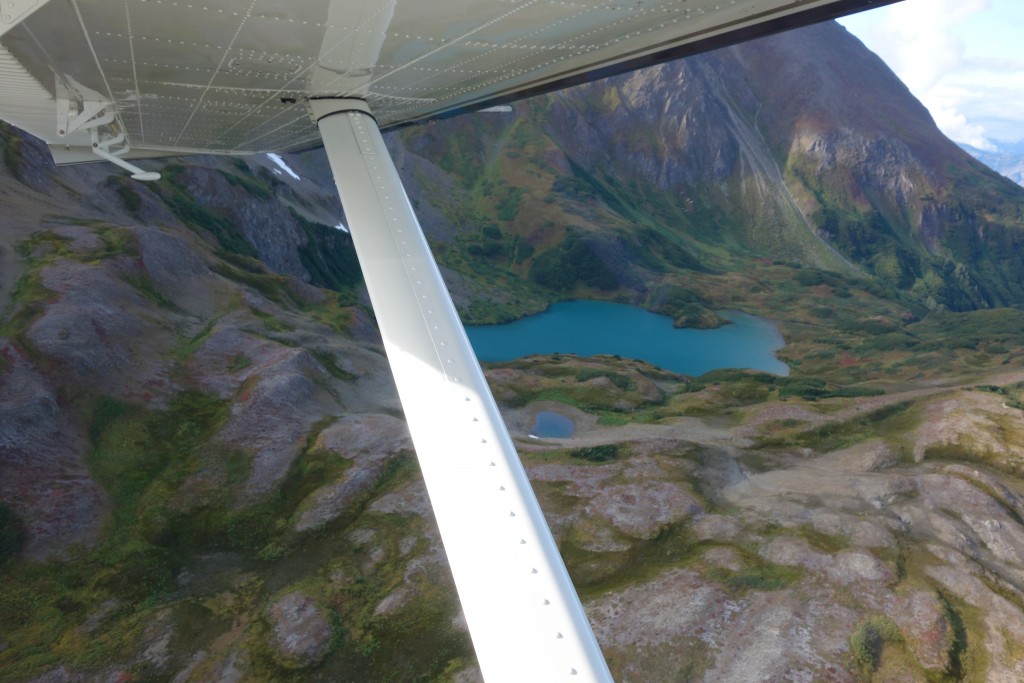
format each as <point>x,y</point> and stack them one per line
<point>588,328</point>
<point>678,321</point>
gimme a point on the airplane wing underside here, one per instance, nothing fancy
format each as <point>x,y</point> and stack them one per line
<point>233,76</point>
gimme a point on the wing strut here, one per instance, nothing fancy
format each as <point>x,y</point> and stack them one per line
<point>525,619</point>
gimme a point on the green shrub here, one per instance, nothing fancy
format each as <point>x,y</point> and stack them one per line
<point>509,206</point>
<point>239,362</point>
<point>602,453</point>
<point>765,577</point>
<point>174,191</point>
<point>131,199</point>
<point>247,182</point>
<point>12,534</point>
<point>870,637</point>
<point>619,380</point>
<point>12,152</point>
<point>548,270</point>
<point>576,260</point>
<point>328,256</point>
<point>742,386</point>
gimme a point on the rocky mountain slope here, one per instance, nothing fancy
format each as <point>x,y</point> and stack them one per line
<point>204,474</point>
<point>756,150</point>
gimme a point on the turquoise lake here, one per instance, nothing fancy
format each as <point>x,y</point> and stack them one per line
<point>588,328</point>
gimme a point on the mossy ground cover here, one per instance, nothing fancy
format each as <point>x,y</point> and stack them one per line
<point>29,297</point>
<point>597,573</point>
<point>416,642</point>
<point>756,574</point>
<point>870,638</point>
<point>350,567</point>
<point>836,435</point>
<point>962,453</point>
<point>605,385</point>
<point>248,271</point>
<point>337,312</point>
<point>138,457</point>
<point>879,653</point>
<point>173,189</point>
<point>44,607</point>
<point>13,154</point>
<point>28,301</point>
<point>43,249</point>
<point>746,387</point>
<point>173,496</point>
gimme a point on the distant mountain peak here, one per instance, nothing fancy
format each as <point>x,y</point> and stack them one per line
<point>1007,158</point>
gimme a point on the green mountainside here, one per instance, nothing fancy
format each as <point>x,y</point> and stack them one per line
<point>205,475</point>
<point>703,164</point>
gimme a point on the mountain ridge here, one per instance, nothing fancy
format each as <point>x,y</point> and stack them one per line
<point>869,187</point>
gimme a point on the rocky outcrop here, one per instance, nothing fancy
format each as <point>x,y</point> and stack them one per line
<point>43,476</point>
<point>922,619</point>
<point>102,332</point>
<point>371,443</point>
<point>301,631</point>
<point>267,225</point>
<point>273,415</point>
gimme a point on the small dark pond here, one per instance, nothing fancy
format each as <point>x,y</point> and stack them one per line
<point>548,425</point>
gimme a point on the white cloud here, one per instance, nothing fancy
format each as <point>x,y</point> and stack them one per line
<point>956,127</point>
<point>964,59</point>
<point>917,39</point>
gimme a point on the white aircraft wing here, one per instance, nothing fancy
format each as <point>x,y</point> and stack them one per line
<point>233,76</point>
<point>116,80</point>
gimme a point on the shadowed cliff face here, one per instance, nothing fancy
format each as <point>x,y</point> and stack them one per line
<point>679,130</point>
<point>850,135</point>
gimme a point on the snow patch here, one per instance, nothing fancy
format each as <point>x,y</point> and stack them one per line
<point>341,226</point>
<point>276,158</point>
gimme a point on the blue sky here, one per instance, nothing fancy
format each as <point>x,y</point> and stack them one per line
<point>964,59</point>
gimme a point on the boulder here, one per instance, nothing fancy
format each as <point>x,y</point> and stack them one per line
<point>922,621</point>
<point>301,631</point>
